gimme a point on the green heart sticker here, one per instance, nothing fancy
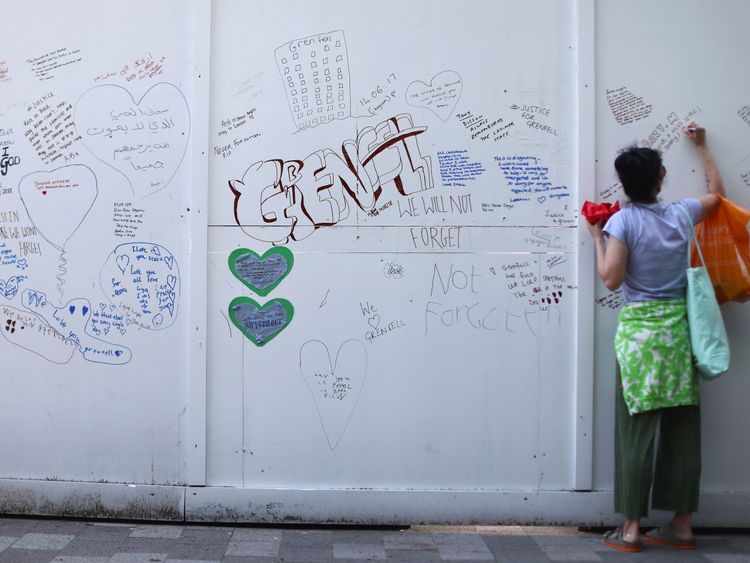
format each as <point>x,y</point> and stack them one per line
<point>260,323</point>
<point>261,273</point>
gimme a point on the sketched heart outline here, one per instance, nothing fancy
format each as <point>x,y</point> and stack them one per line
<point>138,103</point>
<point>430,85</point>
<point>333,441</point>
<point>288,307</point>
<point>26,201</point>
<point>374,321</point>
<point>240,252</point>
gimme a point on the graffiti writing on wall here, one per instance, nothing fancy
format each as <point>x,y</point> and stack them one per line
<point>296,197</point>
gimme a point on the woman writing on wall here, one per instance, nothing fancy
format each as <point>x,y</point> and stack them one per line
<point>642,248</point>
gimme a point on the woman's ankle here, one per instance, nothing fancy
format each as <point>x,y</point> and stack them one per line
<point>682,524</point>
<point>631,530</point>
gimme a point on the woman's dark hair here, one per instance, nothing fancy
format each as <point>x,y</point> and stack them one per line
<point>639,169</point>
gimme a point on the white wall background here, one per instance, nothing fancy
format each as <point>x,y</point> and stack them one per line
<point>466,400</point>
<point>680,59</point>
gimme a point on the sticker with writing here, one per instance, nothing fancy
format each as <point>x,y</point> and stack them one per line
<point>261,274</point>
<point>260,323</point>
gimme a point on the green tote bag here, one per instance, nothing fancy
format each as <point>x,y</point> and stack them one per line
<point>708,337</point>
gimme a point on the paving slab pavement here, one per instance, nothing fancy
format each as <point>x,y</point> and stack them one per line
<point>46,540</point>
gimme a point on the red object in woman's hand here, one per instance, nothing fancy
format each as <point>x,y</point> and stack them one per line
<point>595,212</point>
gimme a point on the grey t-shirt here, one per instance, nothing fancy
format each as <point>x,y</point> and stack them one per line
<point>656,236</point>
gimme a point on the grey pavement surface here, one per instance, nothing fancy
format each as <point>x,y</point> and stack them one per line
<point>27,540</point>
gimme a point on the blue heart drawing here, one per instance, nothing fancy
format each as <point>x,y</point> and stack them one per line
<point>9,288</point>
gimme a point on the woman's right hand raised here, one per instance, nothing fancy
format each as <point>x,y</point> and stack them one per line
<point>695,133</point>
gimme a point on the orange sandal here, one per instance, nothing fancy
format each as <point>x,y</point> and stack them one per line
<point>615,540</point>
<point>666,536</point>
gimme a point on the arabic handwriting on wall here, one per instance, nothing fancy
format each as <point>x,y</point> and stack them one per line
<point>142,67</point>
<point>299,196</point>
<point>145,139</point>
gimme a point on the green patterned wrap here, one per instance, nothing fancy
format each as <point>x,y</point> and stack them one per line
<point>652,344</point>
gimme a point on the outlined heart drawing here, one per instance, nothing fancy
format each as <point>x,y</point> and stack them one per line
<point>439,96</point>
<point>260,323</point>
<point>145,139</point>
<point>335,387</point>
<point>261,274</point>
<point>57,202</point>
<point>9,288</point>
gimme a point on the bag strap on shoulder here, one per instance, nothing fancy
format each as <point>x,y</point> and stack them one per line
<point>691,236</point>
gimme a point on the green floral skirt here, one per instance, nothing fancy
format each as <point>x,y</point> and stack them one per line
<point>652,344</point>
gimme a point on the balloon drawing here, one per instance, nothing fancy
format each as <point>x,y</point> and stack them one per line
<point>57,203</point>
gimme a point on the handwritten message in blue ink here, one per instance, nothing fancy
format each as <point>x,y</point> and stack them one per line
<point>143,281</point>
<point>71,322</point>
<point>107,318</point>
<point>456,168</point>
<point>528,179</point>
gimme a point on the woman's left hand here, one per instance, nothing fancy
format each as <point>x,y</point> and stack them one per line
<point>595,229</point>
